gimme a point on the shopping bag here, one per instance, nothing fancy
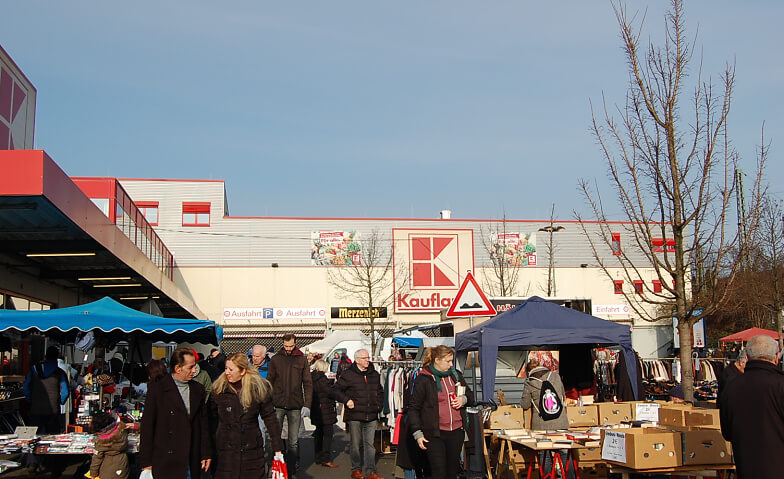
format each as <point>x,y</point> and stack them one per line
<point>279,470</point>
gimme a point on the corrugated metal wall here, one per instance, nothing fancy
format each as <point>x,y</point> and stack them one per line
<point>287,241</point>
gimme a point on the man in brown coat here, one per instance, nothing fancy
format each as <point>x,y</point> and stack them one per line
<point>174,441</point>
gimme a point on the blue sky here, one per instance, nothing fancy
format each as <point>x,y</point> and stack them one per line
<point>355,108</point>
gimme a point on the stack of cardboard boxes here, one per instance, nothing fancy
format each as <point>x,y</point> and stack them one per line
<point>672,434</point>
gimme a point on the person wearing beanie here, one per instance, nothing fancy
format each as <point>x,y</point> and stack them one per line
<point>110,458</point>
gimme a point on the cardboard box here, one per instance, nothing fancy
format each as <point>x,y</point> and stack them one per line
<point>590,454</point>
<point>587,415</point>
<point>507,417</point>
<point>650,406</point>
<point>673,415</point>
<point>643,448</point>
<point>614,413</point>
<point>705,446</point>
<point>704,418</point>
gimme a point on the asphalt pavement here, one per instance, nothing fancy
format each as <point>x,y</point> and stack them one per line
<point>74,466</point>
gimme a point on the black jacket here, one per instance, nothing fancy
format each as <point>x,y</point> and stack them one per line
<point>289,375</point>
<point>239,444</point>
<point>171,440</point>
<point>728,374</point>
<point>322,409</point>
<point>752,418</point>
<point>423,411</point>
<point>364,388</point>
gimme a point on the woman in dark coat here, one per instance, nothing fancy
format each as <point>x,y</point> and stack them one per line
<point>322,413</point>
<point>237,400</point>
<point>437,413</point>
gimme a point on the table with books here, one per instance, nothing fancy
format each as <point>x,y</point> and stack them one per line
<point>537,441</point>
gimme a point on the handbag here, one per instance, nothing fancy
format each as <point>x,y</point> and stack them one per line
<point>279,470</point>
<point>104,379</point>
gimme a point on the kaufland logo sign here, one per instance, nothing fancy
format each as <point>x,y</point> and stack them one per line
<point>429,267</point>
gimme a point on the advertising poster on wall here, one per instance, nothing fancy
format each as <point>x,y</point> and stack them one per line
<point>514,249</point>
<point>335,248</point>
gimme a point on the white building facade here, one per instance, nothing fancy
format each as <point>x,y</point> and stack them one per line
<point>262,276</point>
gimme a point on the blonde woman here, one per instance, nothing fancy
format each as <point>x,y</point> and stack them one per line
<point>237,400</point>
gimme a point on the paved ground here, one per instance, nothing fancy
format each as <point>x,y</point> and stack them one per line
<point>308,470</point>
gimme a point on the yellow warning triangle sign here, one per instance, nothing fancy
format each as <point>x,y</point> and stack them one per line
<point>470,301</point>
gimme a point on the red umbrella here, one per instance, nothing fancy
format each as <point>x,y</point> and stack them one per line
<point>747,334</point>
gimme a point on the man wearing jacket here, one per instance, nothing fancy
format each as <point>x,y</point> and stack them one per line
<point>292,392</point>
<point>752,412</point>
<point>174,441</point>
<point>359,388</point>
<point>46,388</point>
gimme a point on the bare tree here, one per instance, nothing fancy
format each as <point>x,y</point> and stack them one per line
<point>771,245</point>
<point>672,169</point>
<point>369,283</point>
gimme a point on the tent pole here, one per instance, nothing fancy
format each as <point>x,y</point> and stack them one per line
<point>473,362</point>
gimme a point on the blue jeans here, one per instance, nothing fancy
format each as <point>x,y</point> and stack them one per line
<point>292,448</point>
<point>362,435</point>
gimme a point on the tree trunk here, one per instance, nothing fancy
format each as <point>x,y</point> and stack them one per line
<point>687,371</point>
<point>779,325</point>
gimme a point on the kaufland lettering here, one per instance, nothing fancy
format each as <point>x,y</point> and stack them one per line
<point>434,302</point>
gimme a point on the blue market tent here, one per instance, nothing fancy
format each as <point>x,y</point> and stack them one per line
<point>407,342</point>
<point>110,317</point>
<point>539,323</point>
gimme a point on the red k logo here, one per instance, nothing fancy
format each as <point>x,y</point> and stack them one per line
<point>434,261</point>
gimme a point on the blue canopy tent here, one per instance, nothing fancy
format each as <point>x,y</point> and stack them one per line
<point>537,322</point>
<point>407,342</point>
<point>110,317</point>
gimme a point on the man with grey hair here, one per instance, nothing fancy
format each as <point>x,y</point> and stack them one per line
<point>359,388</point>
<point>732,371</point>
<point>258,357</point>
<point>752,412</point>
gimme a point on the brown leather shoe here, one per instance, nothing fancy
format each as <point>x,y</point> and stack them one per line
<point>328,464</point>
<point>357,474</point>
<point>374,475</point>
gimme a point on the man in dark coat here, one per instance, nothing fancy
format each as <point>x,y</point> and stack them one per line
<point>292,392</point>
<point>46,387</point>
<point>174,441</point>
<point>359,388</point>
<point>731,372</point>
<point>752,412</point>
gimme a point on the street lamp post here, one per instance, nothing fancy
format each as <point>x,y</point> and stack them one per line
<point>550,229</point>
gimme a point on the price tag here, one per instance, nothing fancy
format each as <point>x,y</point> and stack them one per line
<point>647,411</point>
<point>614,446</point>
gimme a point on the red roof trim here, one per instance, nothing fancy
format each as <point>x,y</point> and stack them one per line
<point>454,220</point>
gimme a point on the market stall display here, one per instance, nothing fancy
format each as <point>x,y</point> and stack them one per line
<point>535,323</point>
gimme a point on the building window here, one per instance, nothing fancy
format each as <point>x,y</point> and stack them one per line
<point>658,245</point>
<point>195,214</point>
<point>618,286</point>
<point>150,211</point>
<point>637,287</point>
<point>616,243</point>
<point>657,286</point>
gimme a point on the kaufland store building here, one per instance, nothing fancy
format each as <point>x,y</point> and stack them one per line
<point>172,245</point>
